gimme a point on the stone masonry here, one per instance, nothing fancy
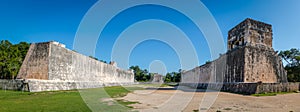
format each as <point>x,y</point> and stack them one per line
<point>50,66</point>
<point>250,59</point>
<point>157,78</point>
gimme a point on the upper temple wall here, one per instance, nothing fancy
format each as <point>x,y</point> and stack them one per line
<point>250,33</point>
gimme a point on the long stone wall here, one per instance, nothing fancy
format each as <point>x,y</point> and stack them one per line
<point>36,85</point>
<point>248,88</point>
<point>241,70</point>
<point>71,66</point>
<point>245,64</point>
<point>50,66</point>
<point>250,59</point>
<point>13,85</point>
<point>211,72</point>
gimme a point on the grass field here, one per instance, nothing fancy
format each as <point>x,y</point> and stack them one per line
<point>65,101</point>
<point>16,101</point>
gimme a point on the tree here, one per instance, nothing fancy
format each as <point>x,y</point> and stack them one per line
<point>144,75</point>
<point>173,76</point>
<point>103,61</point>
<point>11,58</point>
<point>168,77</point>
<point>176,77</point>
<point>292,57</point>
<point>208,62</point>
<point>141,75</point>
<point>93,58</point>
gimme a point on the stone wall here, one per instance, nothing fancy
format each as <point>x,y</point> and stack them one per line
<point>36,85</point>
<point>36,63</point>
<point>71,66</point>
<point>50,66</point>
<point>235,65</point>
<point>248,88</point>
<point>157,78</point>
<point>245,64</point>
<point>13,85</point>
<point>210,72</point>
<point>250,60</point>
<point>263,65</point>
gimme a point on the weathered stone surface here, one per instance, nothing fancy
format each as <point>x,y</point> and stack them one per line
<point>263,65</point>
<point>210,72</point>
<point>50,66</point>
<point>247,88</point>
<point>157,78</point>
<point>255,62</point>
<point>36,63</point>
<point>251,33</point>
<point>36,85</point>
<point>13,85</point>
<point>250,59</point>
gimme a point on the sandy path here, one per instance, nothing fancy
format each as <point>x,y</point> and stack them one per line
<point>170,100</point>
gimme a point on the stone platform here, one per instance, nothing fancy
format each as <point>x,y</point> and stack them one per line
<point>49,66</point>
<point>37,85</point>
<point>247,88</point>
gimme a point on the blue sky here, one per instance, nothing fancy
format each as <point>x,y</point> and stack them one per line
<point>46,20</point>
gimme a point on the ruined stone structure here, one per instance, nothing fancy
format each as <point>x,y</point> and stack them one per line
<point>157,78</point>
<point>250,59</point>
<point>50,66</point>
<point>250,33</point>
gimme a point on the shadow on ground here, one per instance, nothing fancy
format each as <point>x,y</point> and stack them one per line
<point>182,88</point>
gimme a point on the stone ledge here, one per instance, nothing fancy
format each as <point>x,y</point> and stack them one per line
<point>13,85</point>
<point>35,85</point>
<point>247,88</point>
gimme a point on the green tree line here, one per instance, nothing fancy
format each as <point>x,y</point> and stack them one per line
<point>292,58</point>
<point>142,75</point>
<point>173,76</point>
<point>11,58</point>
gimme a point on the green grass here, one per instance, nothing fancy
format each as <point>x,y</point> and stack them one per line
<point>16,101</point>
<point>126,103</point>
<point>227,108</point>
<point>119,91</point>
<point>271,94</point>
<point>66,101</point>
<point>164,85</point>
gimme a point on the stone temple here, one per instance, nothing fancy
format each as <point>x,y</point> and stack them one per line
<point>259,62</point>
<point>249,66</point>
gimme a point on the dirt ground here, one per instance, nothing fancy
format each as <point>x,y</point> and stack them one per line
<point>188,100</point>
